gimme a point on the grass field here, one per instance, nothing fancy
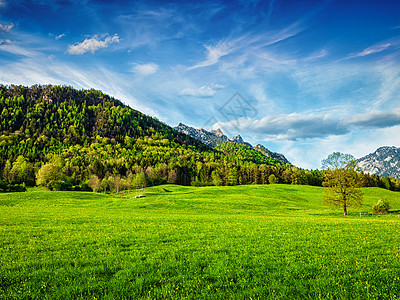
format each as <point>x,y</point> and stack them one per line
<point>244,242</point>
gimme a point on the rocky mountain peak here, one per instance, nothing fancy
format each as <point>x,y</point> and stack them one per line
<point>218,132</point>
<point>385,161</point>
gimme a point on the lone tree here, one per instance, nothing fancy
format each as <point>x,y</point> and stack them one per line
<point>340,181</point>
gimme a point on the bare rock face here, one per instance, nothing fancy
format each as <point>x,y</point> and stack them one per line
<point>214,138</point>
<point>385,161</point>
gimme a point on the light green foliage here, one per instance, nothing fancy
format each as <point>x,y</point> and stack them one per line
<point>139,181</point>
<point>22,171</point>
<point>48,174</point>
<point>382,206</point>
<point>243,242</point>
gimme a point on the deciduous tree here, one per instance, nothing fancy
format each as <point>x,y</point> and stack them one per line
<point>340,181</point>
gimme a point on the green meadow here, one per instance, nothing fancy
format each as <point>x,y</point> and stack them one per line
<point>242,242</point>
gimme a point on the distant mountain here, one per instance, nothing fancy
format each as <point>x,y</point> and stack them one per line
<point>385,161</point>
<point>215,138</point>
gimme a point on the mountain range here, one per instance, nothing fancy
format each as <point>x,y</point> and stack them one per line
<point>385,161</point>
<point>215,138</point>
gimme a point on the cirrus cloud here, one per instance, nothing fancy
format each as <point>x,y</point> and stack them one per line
<point>92,45</point>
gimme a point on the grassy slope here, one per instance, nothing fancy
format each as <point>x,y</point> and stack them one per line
<point>274,241</point>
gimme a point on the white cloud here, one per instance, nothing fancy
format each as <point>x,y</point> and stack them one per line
<point>201,92</point>
<point>145,69</point>
<point>92,45</point>
<point>6,28</point>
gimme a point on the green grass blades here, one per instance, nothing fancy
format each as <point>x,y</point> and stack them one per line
<point>244,242</point>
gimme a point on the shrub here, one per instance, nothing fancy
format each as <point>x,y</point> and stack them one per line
<point>272,179</point>
<point>382,206</point>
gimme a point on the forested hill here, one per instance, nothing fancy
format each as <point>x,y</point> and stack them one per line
<point>43,118</point>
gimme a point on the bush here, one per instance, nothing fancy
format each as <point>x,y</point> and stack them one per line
<point>82,187</point>
<point>8,188</point>
<point>61,185</point>
<point>382,206</point>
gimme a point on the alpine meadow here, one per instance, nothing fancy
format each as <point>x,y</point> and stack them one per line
<point>243,242</point>
<point>199,149</point>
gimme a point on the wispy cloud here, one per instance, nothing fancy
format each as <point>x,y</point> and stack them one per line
<point>145,69</point>
<point>241,47</point>
<point>317,55</point>
<point>374,49</point>
<point>6,28</point>
<point>11,47</point>
<point>92,45</point>
<point>201,92</point>
<point>377,48</point>
<point>213,54</point>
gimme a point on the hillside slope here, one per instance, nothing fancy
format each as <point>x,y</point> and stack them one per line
<point>244,152</point>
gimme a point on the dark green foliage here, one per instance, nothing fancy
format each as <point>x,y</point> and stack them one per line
<point>8,188</point>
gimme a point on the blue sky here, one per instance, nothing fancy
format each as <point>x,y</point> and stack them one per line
<point>304,78</point>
